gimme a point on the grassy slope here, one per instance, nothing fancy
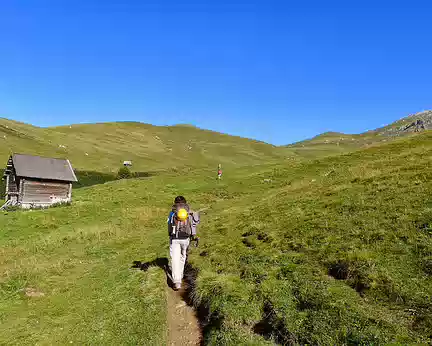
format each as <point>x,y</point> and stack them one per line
<point>337,251</point>
<point>104,147</point>
<point>333,143</point>
<point>267,250</point>
<point>79,257</point>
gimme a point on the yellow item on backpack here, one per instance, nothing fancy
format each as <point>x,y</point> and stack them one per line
<point>182,214</point>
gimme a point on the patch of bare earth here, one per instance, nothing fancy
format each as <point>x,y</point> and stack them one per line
<point>32,292</point>
<point>183,325</point>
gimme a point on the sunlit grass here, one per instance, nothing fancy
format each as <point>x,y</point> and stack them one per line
<point>334,251</point>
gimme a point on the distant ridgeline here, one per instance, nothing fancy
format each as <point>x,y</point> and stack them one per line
<point>413,123</point>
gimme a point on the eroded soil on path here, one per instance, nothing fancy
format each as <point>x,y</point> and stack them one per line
<point>183,324</point>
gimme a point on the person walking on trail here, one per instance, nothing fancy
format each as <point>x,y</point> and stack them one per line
<point>182,224</point>
<point>219,172</point>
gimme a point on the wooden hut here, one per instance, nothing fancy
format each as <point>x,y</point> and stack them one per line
<point>34,181</point>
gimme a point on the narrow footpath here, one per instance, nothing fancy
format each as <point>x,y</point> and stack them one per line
<point>183,324</point>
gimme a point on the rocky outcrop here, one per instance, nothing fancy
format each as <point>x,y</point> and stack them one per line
<point>413,123</point>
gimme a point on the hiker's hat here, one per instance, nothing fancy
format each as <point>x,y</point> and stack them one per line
<point>182,214</point>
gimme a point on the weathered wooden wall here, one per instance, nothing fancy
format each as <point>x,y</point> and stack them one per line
<point>44,193</point>
<point>12,184</point>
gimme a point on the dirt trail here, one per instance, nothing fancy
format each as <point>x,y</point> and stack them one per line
<point>183,324</point>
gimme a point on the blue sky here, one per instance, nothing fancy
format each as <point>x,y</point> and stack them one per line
<point>278,71</point>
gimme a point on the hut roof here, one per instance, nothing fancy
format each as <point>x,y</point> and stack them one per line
<point>37,167</point>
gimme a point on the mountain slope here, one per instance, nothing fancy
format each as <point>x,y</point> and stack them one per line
<point>413,123</point>
<point>331,252</point>
<point>332,143</point>
<point>329,143</point>
<point>104,147</point>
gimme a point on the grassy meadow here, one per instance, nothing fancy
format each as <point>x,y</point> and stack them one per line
<point>103,147</point>
<point>329,251</point>
<point>335,251</point>
<point>66,274</point>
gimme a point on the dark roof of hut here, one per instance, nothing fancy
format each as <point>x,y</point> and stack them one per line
<point>27,166</point>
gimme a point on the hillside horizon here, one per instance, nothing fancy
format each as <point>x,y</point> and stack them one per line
<point>396,122</point>
<point>103,147</point>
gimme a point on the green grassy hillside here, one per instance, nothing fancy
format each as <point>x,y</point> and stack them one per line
<point>104,147</point>
<point>331,143</point>
<point>332,251</point>
<point>336,251</point>
<point>334,143</point>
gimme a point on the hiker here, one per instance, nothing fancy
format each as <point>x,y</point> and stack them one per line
<point>219,172</point>
<point>182,223</point>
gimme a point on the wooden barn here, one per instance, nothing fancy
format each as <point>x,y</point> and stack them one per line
<point>34,181</point>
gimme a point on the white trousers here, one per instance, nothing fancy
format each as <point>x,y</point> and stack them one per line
<point>178,253</point>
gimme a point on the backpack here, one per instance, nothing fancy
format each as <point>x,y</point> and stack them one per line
<point>182,229</point>
<point>179,228</point>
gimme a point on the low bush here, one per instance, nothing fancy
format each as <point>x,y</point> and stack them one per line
<point>124,173</point>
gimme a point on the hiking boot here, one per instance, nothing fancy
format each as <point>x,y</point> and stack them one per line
<point>177,287</point>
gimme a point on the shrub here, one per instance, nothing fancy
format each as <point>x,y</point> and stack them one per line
<point>124,173</point>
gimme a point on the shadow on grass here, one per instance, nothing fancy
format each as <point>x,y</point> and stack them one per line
<point>208,321</point>
<point>273,328</point>
<point>90,178</point>
<point>161,262</point>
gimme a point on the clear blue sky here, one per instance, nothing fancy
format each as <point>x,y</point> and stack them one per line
<point>278,71</point>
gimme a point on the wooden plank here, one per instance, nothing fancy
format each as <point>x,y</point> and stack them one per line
<point>20,191</point>
<point>11,185</point>
<point>7,184</point>
<point>45,192</point>
<point>70,193</point>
